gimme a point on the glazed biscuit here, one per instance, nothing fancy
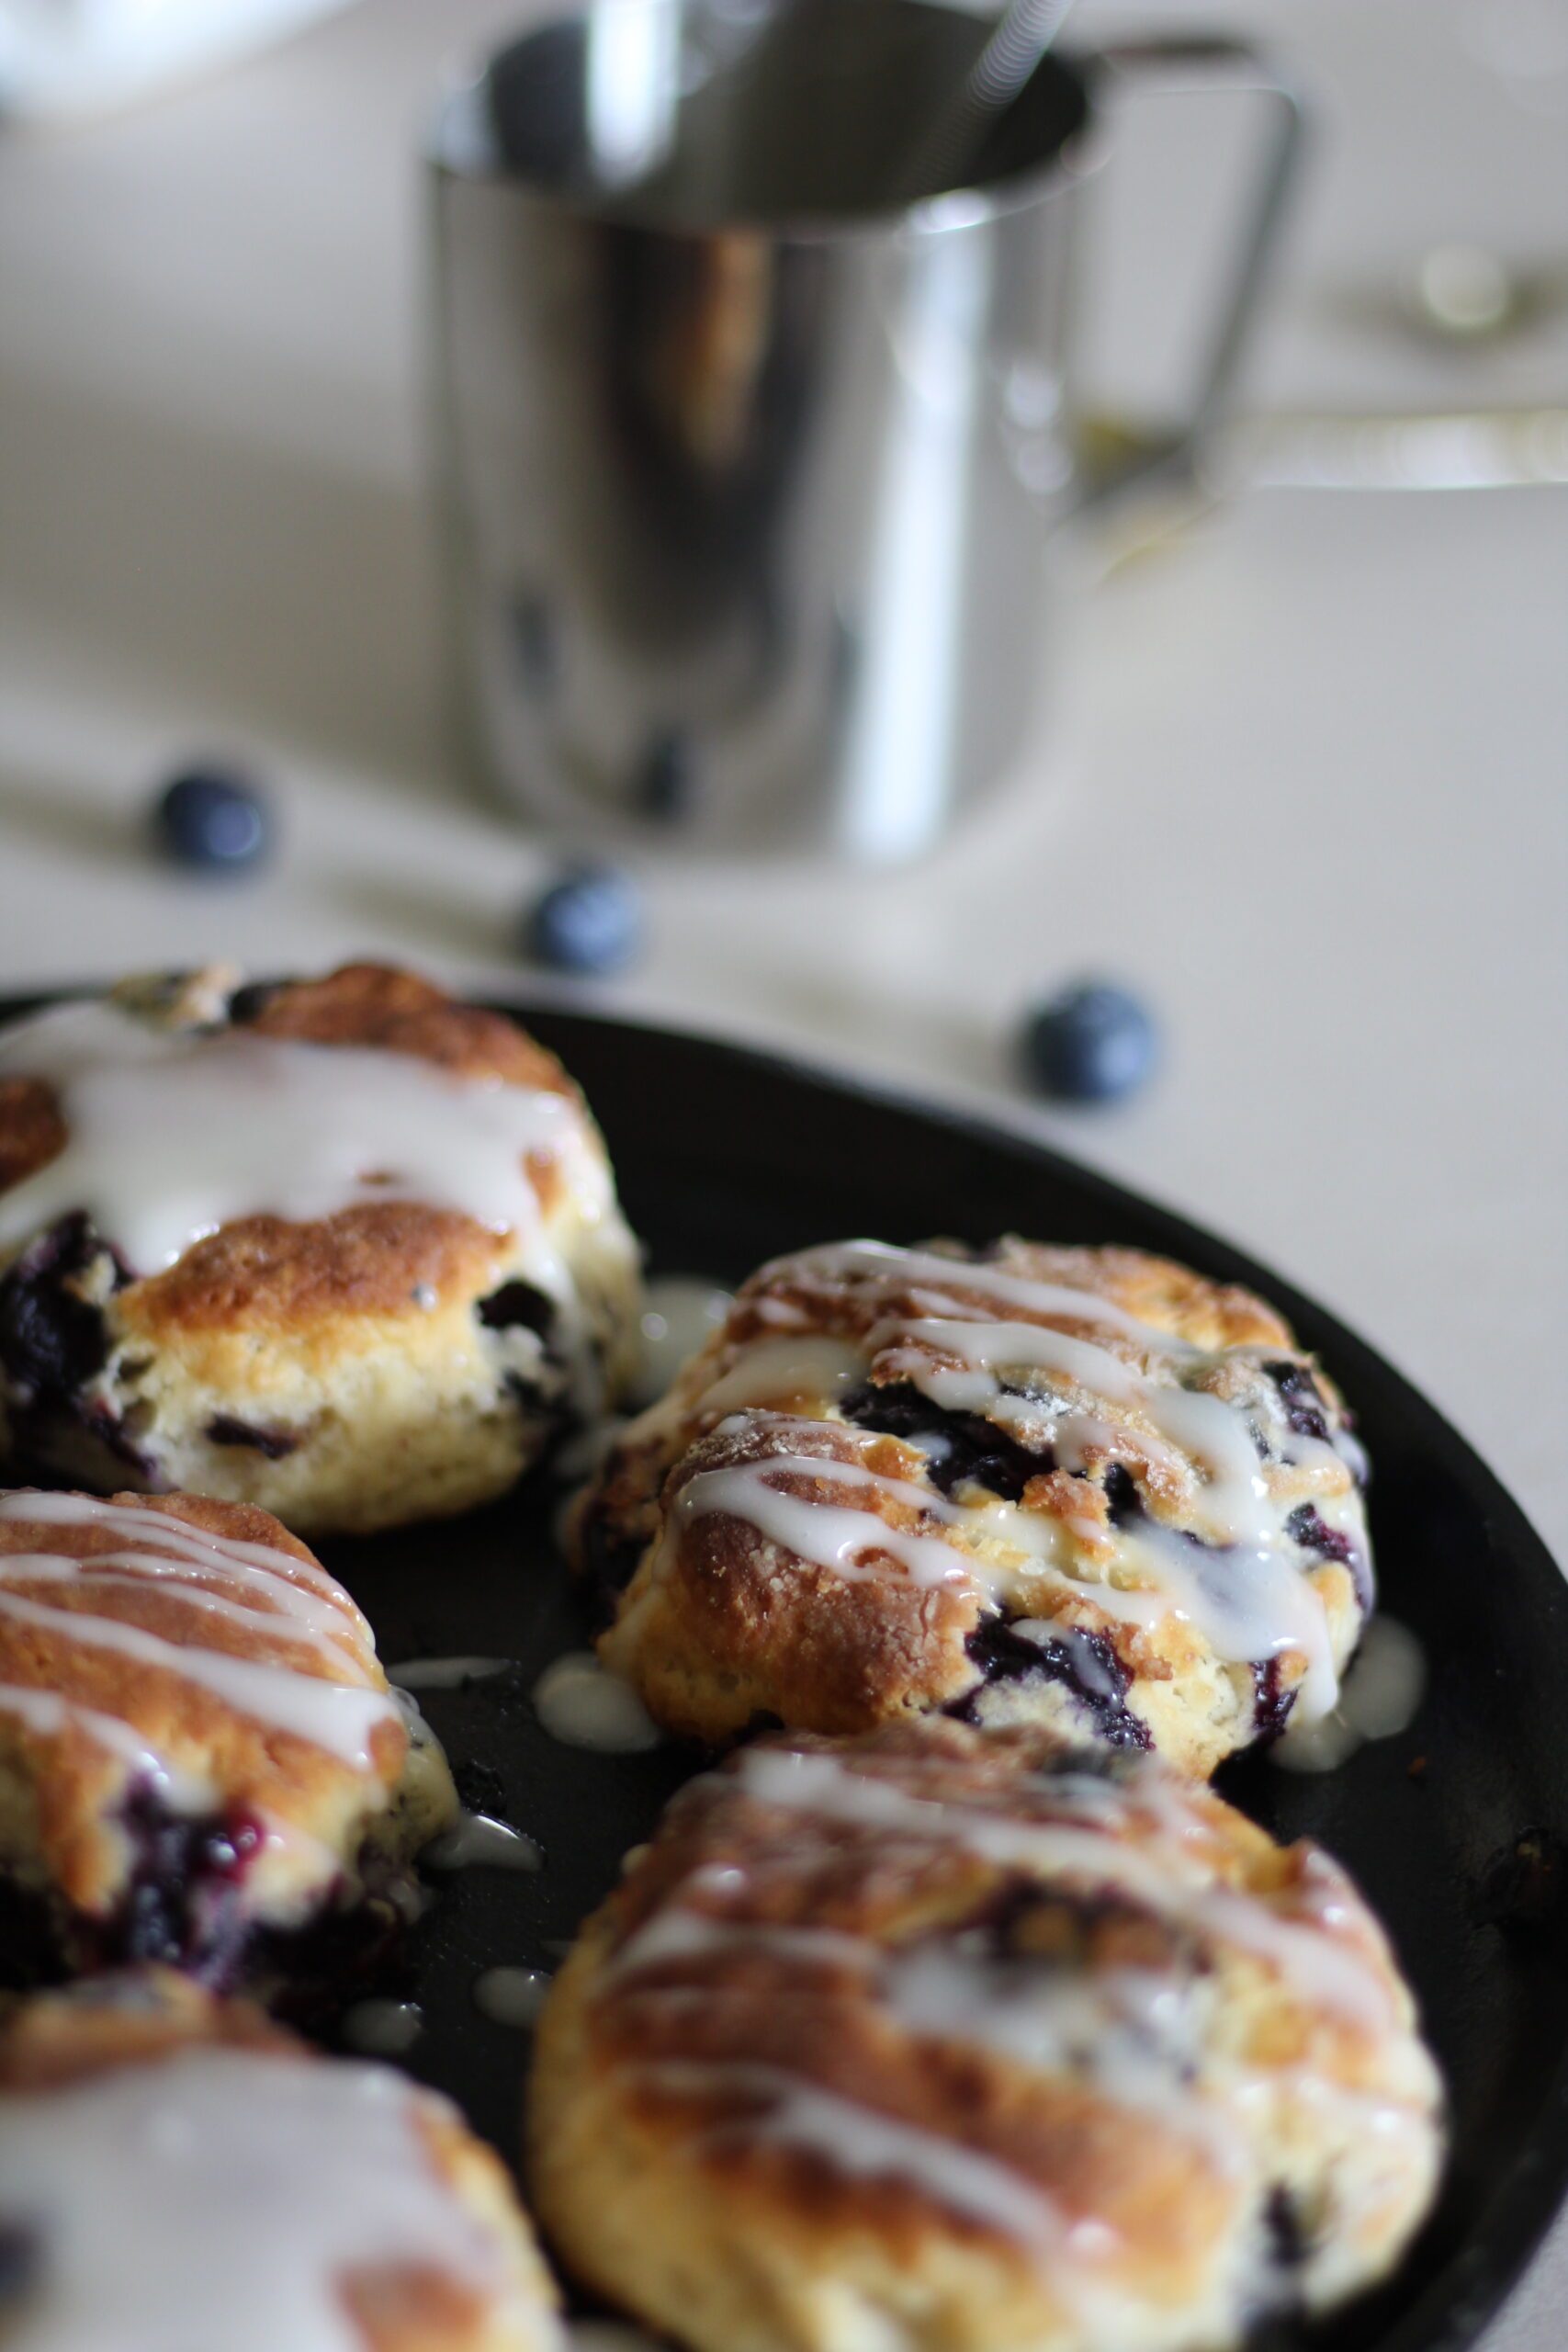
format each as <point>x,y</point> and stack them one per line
<point>1079,1487</point>
<point>175,2170</point>
<point>343,1249</point>
<point>200,1760</point>
<point>950,2041</point>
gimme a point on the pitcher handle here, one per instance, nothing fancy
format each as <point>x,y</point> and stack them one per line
<point>1206,62</point>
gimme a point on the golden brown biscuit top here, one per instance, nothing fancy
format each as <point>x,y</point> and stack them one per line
<point>190,1648</point>
<point>377,1004</point>
<point>175,2165</point>
<point>931,1969</point>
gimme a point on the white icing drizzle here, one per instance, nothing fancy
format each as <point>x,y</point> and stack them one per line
<point>983,1349</point>
<point>163,1545</point>
<point>444,1673</point>
<point>276,1596</point>
<point>46,1712</point>
<point>582,1705</point>
<point>173,1133</point>
<point>864,2143</point>
<point>770,1369</point>
<point>816,1783</point>
<point>475,1840</point>
<point>1387,1682</point>
<point>1128,2029</point>
<point>677,1933</point>
<point>223,2197</point>
<point>1246,1588</point>
<point>1380,1697</point>
<point>1168,1872</point>
<point>679,1313</point>
<point>826,1533</point>
<point>334,1715</point>
<point>511,1997</point>
<point>382,2028</point>
<point>1249,1604</point>
<point>839,1262</point>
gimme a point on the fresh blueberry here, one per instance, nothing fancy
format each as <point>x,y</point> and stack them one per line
<point>214,820</point>
<point>1090,1043</point>
<point>591,920</point>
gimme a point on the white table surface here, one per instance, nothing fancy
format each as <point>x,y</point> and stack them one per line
<point>1309,786</point>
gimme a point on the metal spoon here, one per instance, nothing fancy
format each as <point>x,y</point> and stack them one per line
<point>947,145</point>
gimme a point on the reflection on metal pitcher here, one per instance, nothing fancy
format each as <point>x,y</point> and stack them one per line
<point>749,475</point>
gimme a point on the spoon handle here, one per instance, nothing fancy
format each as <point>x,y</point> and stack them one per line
<point>948,144</point>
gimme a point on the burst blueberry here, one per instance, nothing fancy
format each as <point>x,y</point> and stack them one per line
<point>1093,1043</point>
<point>213,820</point>
<point>589,922</point>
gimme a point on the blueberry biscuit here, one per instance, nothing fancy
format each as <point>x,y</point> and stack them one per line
<point>1081,1488</point>
<point>976,2043</point>
<point>200,1760</point>
<point>176,2171</point>
<point>344,1248</point>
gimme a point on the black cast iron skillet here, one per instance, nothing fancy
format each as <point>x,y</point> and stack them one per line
<point>1457,1830</point>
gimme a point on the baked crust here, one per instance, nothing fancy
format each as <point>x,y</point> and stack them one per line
<point>1078,1487</point>
<point>394,1360</point>
<point>941,2040</point>
<point>176,1778</point>
<point>377,1004</point>
<point>148,2034</point>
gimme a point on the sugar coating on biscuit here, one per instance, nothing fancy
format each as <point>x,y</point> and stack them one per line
<point>198,1742</point>
<point>346,1248</point>
<point>174,2171</point>
<point>1081,1488</point>
<point>940,2038</point>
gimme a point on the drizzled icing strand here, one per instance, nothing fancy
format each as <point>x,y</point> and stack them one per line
<point>156,1531</point>
<point>1130,2030</point>
<point>225,2196</point>
<point>858,2141</point>
<point>174,1134</point>
<point>334,1715</point>
<point>832,1536</point>
<point>46,1713</point>
<point>1166,1871</point>
<point>280,1598</point>
<point>880,1261</point>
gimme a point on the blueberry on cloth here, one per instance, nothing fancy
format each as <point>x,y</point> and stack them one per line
<point>1091,1044</point>
<point>589,921</point>
<point>214,820</point>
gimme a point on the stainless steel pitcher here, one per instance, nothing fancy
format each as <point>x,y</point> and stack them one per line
<point>749,476</point>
